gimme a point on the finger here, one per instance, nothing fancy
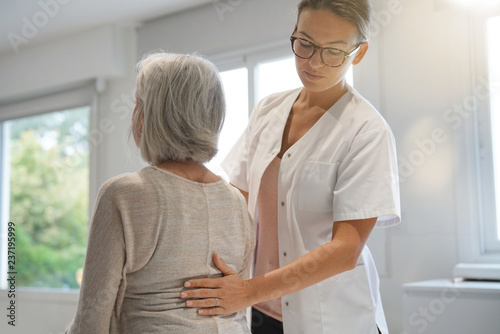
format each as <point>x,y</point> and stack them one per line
<point>200,293</point>
<point>203,283</point>
<point>210,302</point>
<point>223,267</point>
<point>212,311</point>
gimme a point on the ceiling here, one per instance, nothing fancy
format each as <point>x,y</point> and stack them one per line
<point>38,21</point>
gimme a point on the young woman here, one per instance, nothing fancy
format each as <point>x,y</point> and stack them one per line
<point>318,168</point>
<point>154,229</point>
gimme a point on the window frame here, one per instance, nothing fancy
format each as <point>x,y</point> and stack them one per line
<point>475,193</point>
<point>70,98</point>
<point>489,223</point>
<point>490,243</point>
<point>249,58</point>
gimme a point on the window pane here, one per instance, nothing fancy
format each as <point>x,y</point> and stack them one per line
<point>280,75</point>
<point>275,76</point>
<point>494,74</point>
<point>49,182</point>
<point>236,90</point>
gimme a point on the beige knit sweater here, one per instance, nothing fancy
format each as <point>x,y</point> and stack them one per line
<point>150,232</point>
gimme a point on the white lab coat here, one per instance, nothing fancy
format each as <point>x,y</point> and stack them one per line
<point>343,168</point>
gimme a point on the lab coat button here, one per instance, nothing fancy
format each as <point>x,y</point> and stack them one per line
<point>282,203</point>
<point>284,253</point>
<point>289,155</point>
<point>286,303</point>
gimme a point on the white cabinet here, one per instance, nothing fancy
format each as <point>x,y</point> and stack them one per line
<point>445,307</point>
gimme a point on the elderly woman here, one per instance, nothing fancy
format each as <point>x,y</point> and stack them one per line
<point>154,229</point>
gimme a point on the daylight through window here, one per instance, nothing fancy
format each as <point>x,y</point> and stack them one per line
<point>46,172</point>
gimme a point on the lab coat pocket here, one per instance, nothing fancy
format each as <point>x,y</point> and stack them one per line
<point>317,182</point>
<point>346,303</point>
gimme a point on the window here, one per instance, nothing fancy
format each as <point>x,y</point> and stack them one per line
<point>280,75</point>
<point>478,199</point>
<point>492,231</point>
<point>269,77</point>
<point>275,76</point>
<point>244,87</point>
<point>236,92</point>
<point>45,193</point>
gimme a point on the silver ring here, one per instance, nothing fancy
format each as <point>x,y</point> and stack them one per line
<point>216,302</point>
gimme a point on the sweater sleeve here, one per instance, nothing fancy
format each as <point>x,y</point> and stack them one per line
<point>250,242</point>
<point>102,273</point>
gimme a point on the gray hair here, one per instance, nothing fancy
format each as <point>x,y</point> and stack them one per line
<point>182,99</point>
<point>359,12</point>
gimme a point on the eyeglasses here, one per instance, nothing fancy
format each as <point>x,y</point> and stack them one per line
<point>332,57</point>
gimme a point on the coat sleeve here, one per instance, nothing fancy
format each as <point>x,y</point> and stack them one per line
<point>367,182</point>
<point>102,273</point>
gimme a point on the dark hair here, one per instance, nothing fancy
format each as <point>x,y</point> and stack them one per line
<point>357,11</point>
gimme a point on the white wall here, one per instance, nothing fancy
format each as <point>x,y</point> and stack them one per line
<point>424,69</point>
<point>419,67</point>
<point>107,54</point>
<point>248,23</point>
<point>39,312</point>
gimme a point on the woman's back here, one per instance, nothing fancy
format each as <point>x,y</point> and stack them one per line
<point>171,226</point>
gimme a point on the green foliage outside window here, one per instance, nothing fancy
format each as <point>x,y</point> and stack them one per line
<point>49,181</point>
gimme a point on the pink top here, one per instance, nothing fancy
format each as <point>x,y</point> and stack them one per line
<point>266,251</point>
